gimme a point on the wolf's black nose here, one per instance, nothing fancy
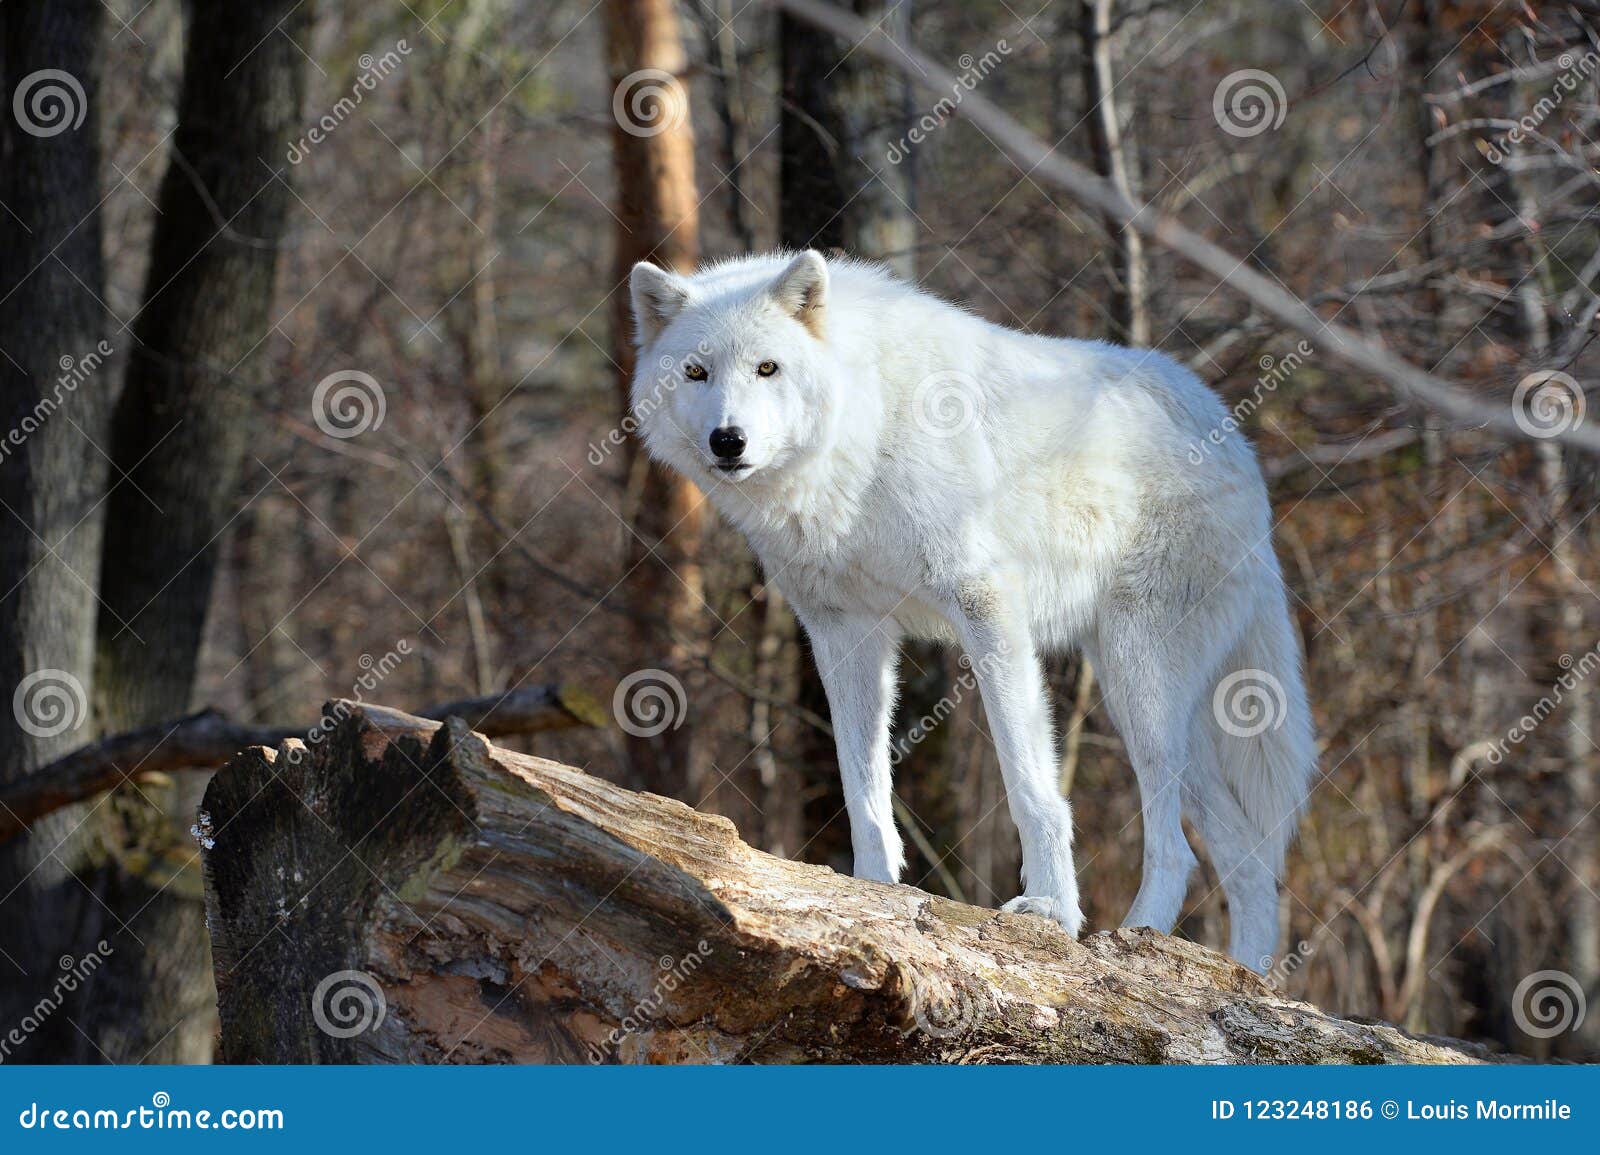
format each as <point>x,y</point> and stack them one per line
<point>727,442</point>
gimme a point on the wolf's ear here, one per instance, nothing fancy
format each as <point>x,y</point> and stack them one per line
<point>801,290</point>
<point>658,296</point>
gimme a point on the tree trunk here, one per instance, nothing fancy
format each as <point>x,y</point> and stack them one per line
<point>1570,576</point>
<point>205,740</point>
<point>658,220</point>
<point>510,908</point>
<point>1418,715</point>
<point>811,193</point>
<point>179,438</point>
<point>722,48</point>
<point>811,203</point>
<point>182,425</point>
<point>1130,314</point>
<point>840,121</point>
<point>845,180</point>
<point>1092,191</point>
<point>55,396</point>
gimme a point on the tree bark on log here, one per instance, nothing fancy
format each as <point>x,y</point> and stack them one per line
<point>403,891</point>
<point>209,738</point>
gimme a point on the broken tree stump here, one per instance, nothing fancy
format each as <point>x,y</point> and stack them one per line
<point>205,740</point>
<point>403,891</point>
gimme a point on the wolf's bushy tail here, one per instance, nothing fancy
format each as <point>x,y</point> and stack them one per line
<point>1260,724</point>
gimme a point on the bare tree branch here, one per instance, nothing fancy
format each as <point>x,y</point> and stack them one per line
<point>1034,157</point>
<point>205,740</point>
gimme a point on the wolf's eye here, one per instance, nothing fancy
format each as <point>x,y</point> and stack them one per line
<point>694,372</point>
<point>766,368</point>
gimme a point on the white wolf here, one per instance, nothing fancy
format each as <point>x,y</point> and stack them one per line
<point>902,467</point>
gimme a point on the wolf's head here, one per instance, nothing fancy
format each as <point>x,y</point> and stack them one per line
<point>734,377</point>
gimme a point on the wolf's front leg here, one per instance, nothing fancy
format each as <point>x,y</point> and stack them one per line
<point>856,657</point>
<point>995,633</point>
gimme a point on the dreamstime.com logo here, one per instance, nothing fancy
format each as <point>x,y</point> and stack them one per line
<point>1548,1003</point>
<point>1573,673</point>
<point>649,102</point>
<point>1277,971</point>
<point>1548,403</point>
<point>374,672</point>
<point>1249,102</point>
<point>75,973</point>
<point>640,410</point>
<point>1274,372</point>
<point>675,973</point>
<point>160,1115</point>
<point>49,102</point>
<point>947,403</point>
<point>974,70</point>
<point>347,1004</point>
<point>1574,72</point>
<point>649,702</point>
<point>49,703</point>
<point>74,372</point>
<point>1249,702</point>
<point>940,711</point>
<point>942,1009</point>
<point>373,69</point>
<point>348,403</point>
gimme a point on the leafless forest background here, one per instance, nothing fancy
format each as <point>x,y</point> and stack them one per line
<point>193,525</point>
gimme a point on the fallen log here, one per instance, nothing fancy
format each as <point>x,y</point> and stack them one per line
<point>205,740</point>
<point>401,891</point>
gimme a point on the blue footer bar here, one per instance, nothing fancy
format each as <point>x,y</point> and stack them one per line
<point>801,1109</point>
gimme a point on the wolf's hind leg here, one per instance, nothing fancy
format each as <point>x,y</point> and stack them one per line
<point>1150,705</point>
<point>1243,857</point>
<point>856,658</point>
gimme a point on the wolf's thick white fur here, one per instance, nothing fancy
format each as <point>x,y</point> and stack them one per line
<point>912,470</point>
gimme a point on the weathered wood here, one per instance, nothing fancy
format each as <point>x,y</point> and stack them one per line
<point>401,891</point>
<point>209,738</point>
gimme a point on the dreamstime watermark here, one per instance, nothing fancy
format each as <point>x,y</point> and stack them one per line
<point>1277,971</point>
<point>641,407</point>
<point>649,102</point>
<point>942,1008</point>
<point>1548,1003</point>
<point>649,702</point>
<point>374,672</point>
<point>674,974</point>
<point>947,403</point>
<point>1574,672</point>
<point>640,410</point>
<point>49,703</point>
<point>74,973</point>
<point>373,70</point>
<point>1250,702</point>
<point>1249,102</point>
<point>973,71</point>
<point>348,1003</point>
<point>1573,72</point>
<point>49,102</point>
<point>1274,372</point>
<point>1548,403</point>
<point>74,372</point>
<point>348,403</point>
<point>160,1115</point>
<point>916,733</point>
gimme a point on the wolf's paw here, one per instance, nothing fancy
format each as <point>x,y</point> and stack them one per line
<point>1068,915</point>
